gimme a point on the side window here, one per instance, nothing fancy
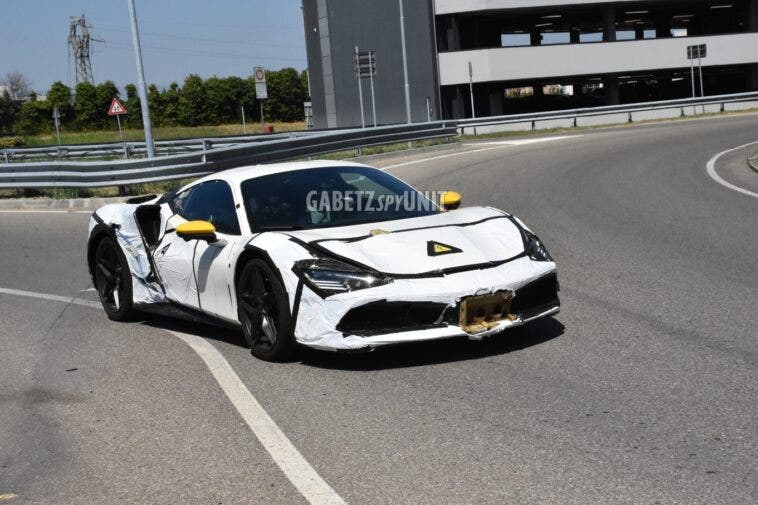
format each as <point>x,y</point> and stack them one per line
<point>211,201</point>
<point>179,201</point>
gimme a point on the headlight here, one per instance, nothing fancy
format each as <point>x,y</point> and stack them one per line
<point>329,277</point>
<point>535,248</point>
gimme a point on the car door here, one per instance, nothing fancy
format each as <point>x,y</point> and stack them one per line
<point>196,273</point>
<point>214,265</point>
<point>173,257</point>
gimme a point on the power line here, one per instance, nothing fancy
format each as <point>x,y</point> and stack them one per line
<point>201,39</point>
<point>239,27</point>
<point>246,27</point>
<point>189,52</point>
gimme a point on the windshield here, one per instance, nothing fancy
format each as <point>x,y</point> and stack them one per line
<point>328,197</point>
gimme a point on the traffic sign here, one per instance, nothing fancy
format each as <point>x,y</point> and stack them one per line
<point>116,108</point>
<point>261,90</point>
<point>364,64</point>
<point>695,52</point>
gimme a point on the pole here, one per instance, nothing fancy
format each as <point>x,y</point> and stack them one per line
<point>428,110</point>
<point>120,133</point>
<point>57,122</point>
<point>141,87</point>
<point>700,69</point>
<point>405,65</point>
<point>244,125</point>
<point>692,76</point>
<point>360,86</point>
<point>263,121</point>
<point>371,78</point>
<point>123,144</point>
<point>471,88</point>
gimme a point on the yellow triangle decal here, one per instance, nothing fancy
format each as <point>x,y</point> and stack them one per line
<point>439,248</point>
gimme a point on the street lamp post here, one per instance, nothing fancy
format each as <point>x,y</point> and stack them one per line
<point>141,87</point>
<point>405,65</point>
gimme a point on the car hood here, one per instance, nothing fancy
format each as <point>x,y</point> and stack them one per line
<point>449,240</point>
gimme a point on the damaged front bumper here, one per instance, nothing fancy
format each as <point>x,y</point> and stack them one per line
<point>409,310</point>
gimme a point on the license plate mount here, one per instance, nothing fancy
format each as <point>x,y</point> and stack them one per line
<point>481,313</point>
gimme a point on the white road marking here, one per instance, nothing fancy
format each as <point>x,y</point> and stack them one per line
<point>711,169</point>
<point>282,451</point>
<point>54,298</point>
<point>522,142</point>
<point>439,157</point>
<point>494,145</point>
<point>286,456</point>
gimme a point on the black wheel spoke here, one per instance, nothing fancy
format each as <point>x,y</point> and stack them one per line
<point>103,268</point>
<point>256,278</point>
<point>249,309</point>
<point>258,308</point>
<point>112,280</point>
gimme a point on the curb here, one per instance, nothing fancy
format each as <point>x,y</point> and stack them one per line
<point>54,204</point>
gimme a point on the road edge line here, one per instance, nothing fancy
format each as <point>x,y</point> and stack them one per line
<point>286,456</point>
<point>711,170</point>
<point>282,451</point>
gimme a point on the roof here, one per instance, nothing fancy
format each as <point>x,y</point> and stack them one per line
<point>236,175</point>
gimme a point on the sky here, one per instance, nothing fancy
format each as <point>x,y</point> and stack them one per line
<point>179,37</point>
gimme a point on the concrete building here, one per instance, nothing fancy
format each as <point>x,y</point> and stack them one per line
<point>523,55</point>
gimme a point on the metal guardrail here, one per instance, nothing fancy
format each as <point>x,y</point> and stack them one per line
<point>130,150</point>
<point>123,172</point>
<point>610,109</point>
<point>203,156</point>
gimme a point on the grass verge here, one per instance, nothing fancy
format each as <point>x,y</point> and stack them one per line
<point>160,133</point>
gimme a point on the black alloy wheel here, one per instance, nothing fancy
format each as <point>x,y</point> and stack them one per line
<point>263,310</point>
<point>113,281</point>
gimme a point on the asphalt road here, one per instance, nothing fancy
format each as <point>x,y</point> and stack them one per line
<point>643,389</point>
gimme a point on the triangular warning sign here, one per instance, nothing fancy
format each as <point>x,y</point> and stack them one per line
<point>116,108</point>
<point>438,249</point>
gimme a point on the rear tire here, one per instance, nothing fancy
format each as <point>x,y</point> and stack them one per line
<point>263,310</point>
<point>113,280</point>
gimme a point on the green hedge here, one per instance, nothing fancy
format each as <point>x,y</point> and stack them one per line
<point>197,102</point>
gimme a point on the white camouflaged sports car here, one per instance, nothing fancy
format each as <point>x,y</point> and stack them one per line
<point>330,255</point>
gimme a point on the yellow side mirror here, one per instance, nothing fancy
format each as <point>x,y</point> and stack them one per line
<point>450,200</point>
<point>197,230</point>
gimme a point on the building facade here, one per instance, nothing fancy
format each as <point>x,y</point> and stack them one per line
<point>524,55</point>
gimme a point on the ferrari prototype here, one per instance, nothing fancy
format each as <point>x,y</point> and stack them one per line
<point>330,255</point>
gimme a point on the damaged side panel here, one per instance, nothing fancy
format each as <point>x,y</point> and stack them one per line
<point>120,221</point>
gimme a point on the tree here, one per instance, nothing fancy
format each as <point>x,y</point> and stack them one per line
<point>155,102</point>
<point>105,93</point>
<point>133,118</point>
<point>34,117</point>
<point>286,93</point>
<point>85,106</point>
<point>9,109</point>
<point>193,109</point>
<point>170,100</point>
<point>17,85</point>
<point>59,96</point>
<point>225,96</point>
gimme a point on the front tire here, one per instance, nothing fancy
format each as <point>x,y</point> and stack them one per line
<point>113,280</point>
<point>263,310</point>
